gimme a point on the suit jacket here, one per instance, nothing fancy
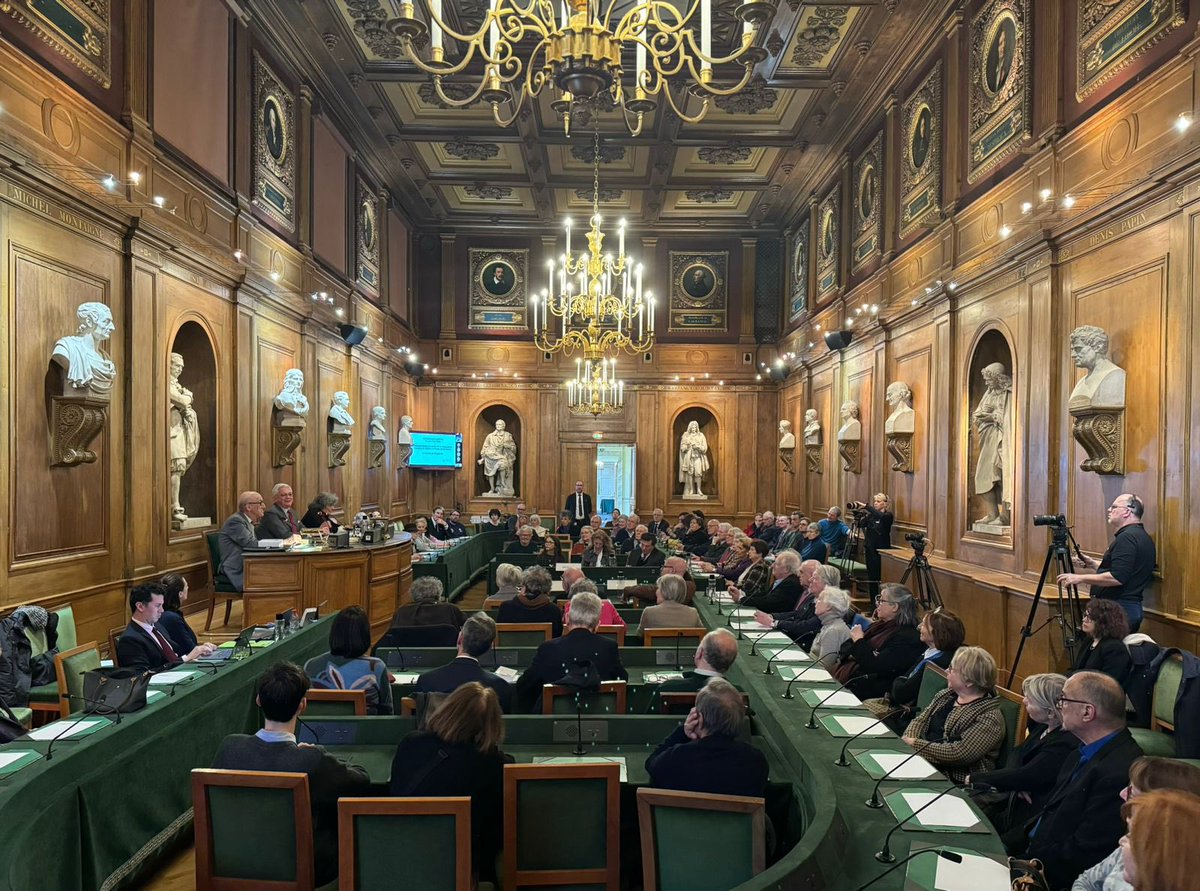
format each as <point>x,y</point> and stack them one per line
<point>717,765</point>
<point>274,523</point>
<point>669,614</point>
<point>1110,656</point>
<point>555,658</point>
<point>1035,772</point>
<point>235,536</point>
<point>175,628</point>
<point>691,682</point>
<point>137,649</point>
<point>1081,821</point>
<point>464,670</point>
<point>662,527</point>
<point>637,558</point>
<point>569,508</point>
<point>777,599</point>
<point>328,779</point>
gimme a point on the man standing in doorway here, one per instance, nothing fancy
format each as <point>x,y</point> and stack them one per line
<point>579,506</point>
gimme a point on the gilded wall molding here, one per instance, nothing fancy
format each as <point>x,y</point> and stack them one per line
<point>366,235</point>
<point>1000,105</point>
<point>78,30</point>
<point>1112,33</point>
<point>829,242</point>
<point>866,226</point>
<point>921,162</point>
<point>800,260</point>
<point>274,146</point>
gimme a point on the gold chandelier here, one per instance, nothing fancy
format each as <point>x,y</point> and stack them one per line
<point>576,45</point>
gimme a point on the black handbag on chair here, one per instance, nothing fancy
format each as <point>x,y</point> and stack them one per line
<point>10,727</point>
<point>114,691</point>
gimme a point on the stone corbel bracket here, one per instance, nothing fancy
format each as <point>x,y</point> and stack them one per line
<point>1102,434</point>
<point>851,452</point>
<point>899,446</point>
<point>813,454</point>
<point>403,453</point>
<point>286,433</point>
<point>786,456</point>
<point>74,424</point>
<point>376,449</point>
<point>339,444</point>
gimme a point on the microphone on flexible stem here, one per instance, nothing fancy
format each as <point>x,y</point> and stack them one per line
<point>71,725</point>
<point>874,801</point>
<point>952,856</point>
<point>110,710</point>
<point>678,641</point>
<point>841,761</point>
<point>787,693</point>
<point>579,749</point>
<point>885,855</point>
<point>309,728</point>
<point>812,716</point>
<point>756,640</point>
<point>780,652</point>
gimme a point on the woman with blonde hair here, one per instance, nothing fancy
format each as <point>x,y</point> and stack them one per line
<point>1159,849</point>
<point>601,552</point>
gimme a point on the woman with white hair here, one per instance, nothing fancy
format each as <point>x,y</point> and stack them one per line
<point>831,608</point>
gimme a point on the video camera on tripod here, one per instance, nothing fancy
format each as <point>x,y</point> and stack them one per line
<point>858,512</point>
<point>923,584</point>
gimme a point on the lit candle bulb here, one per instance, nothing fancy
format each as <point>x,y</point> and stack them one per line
<point>705,34</point>
<point>568,254</point>
<point>494,31</point>
<point>621,239</point>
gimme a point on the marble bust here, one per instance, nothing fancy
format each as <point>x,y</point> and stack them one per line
<point>851,429</point>
<point>89,371</point>
<point>291,399</point>
<point>812,428</point>
<point>377,429</point>
<point>1103,387</point>
<point>787,439</point>
<point>339,412</point>
<point>902,419</point>
<point>404,434</point>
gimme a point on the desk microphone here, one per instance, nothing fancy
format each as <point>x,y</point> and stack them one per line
<point>787,693</point>
<point>109,710</point>
<point>812,716</point>
<point>874,801</point>
<point>72,723</point>
<point>309,728</point>
<point>952,856</point>
<point>841,761</point>
<point>885,855</point>
<point>678,641</point>
<point>791,643</point>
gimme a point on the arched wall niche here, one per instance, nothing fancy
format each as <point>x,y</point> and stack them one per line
<point>198,489</point>
<point>992,346</point>
<point>711,428</point>
<point>485,423</point>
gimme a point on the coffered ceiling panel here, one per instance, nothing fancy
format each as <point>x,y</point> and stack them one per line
<point>617,160</point>
<point>615,202</point>
<point>708,201</point>
<point>821,33</point>
<point>725,159</point>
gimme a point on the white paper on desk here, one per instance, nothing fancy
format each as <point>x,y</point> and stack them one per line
<point>508,673</point>
<point>975,873</point>
<point>916,769</point>
<point>620,584</point>
<point>583,759</point>
<point>563,567</point>
<point>747,625</point>
<point>405,677</point>
<point>947,811</point>
<point>792,655</point>
<point>152,695</point>
<point>6,759</point>
<point>722,598</point>
<point>266,544</point>
<point>866,726</point>
<point>172,677</point>
<point>556,585</point>
<point>771,637</point>
<point>841,699</point>
<point>813,675</point>
<point>64,729</point>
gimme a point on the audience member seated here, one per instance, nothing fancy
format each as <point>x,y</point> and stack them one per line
<point>658,525</point>
<point>550,553</point>
<point>833,531</point>
<point>535,523</point>
<point>348,667</point>
<point>704,754</point>
<point>601,552</point>
<point>734,561</point>
<point>785,590</point>
<point>714,545</point>
<point>1146,775</point>
<point>715,653</point>
<point>142,645</point>
<point>942,632</point>
<point>831,608</point>
<point>597,522</point>
<point>438,527</point>
<point>320,514</point>
<point>280,520</point>
<point>493,520</point>
<point>281,696</point>
<point>237,533</point>
<point>459,756</point>
<point>673,565</point>
<point>427,607</point>
<point>517,520</point>
<point>646,553</point>
<point>580,644</point>
<point>172,623</point>
<point>421,539</point>
<point>792,536</point>
<point>508,581</point>
<point>621,537</point>
<point>584,543</point>
<point>525,542</point>
<point>670,611</point>
<point>874,658</point>
<point>1081,820</point>
<point>694,540</point>
<point>1021,790</point>
<point>962,729</point>
<point>1105,627</point>
<point>755,580</point>
<point>754,527</point>
<point>533,603</point>
<point>564,525</point>
<point>477,636</point>
<point>801,623</point>
<point>455,525</point>
<point>608,612</point>
<point>813,546</point>
<point>1159,848</point>
<point>770,531</point>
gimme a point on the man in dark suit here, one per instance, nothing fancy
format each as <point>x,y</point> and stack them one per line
<point>579,506</point>
<point>770,531</point>
<point>580,643</point>
<point>673,565</point>
<point>476,638</point>
<point>801,623</point>
<point>280,521</point>
<point>646,554</point>
<point>714,655</point>
<point>785,590</point>
<point>658,525</point>
<point>144,647</point>
<point>281,696</point>
<point>237,534</point>
<point>1081,820</point>
<point>704,754</point>
<point>515,521</point>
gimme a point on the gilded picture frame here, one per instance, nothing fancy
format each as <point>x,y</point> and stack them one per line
<point>498,302</point>
<point>866,217</point>
<point>78,30</point>
<point>1000,92</point>
<point>274,156</point>
<point>829,243</point>
<point>921,166</point>
<point>366,240</point>
<point>800,260</point>
<point>699,291</point>
<point>1112,34</point>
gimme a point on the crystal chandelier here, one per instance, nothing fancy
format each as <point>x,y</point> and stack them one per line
<point>580,47</point>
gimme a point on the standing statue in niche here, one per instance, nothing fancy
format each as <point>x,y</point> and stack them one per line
<point>900,425</point>
<point>787,445</point>
<point>288,418</point>
<point>185,436</point>
<point>849,437</point>
<point>812,441</point>
<point>89,370</point>
<point>498,457</point>
<point>993,473</point>
<point>1097,403</point>
<point>693,461</point>
<point>404,441</point>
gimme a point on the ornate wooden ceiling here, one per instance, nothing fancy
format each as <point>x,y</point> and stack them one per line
<point>748,166</point>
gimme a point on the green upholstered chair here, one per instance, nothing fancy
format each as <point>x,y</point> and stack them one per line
<point>67,635</point>
<point>611,699</point>
<point>344,703</point>
<point>670,822</point>
<point>584,797</point>
<point>933,682</point>
<point>1159,739</point>
<point>69,667</point>
<point>253,830</point>
<point>431,837</point>
<point>45,697</point>
<point>221,586</point>
<point>523,634</point>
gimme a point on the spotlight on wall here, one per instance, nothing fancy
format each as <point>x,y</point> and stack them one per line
<point>414,368</point>
<point>353,335</point>
<point>838,340</point>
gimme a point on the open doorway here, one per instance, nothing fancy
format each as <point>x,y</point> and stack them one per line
<point>615,473</point>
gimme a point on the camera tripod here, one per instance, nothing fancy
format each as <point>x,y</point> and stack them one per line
<point>924,586</point>
<point>850,545</point>
<point>1065,610</point>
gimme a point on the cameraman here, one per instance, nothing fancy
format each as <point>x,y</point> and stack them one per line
<point>1127,566</point>
<point>877,536</point>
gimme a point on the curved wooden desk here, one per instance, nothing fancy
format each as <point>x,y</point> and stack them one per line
<point>377,577</point>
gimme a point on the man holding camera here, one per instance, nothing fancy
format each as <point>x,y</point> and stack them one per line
<point>1127,566</point>
<point>876,522</point>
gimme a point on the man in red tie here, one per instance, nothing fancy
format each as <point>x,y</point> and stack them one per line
<point>280,520</point>
<point>143,646</point>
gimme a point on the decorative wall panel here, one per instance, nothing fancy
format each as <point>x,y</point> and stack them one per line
<point>1112,33</point>
<point>366,235</point>
<point>921,164</point>
<point>1000,83</point>
<point>499,288</point>
<point>699,291</point>
<point>865,213</point>
<point>274,140</point>
<point>799,268</point>
<point>829,243</point>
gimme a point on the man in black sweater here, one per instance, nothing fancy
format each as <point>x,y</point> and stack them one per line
<point>281,696</point>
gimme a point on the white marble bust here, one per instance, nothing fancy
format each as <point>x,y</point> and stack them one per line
<point>291,399</point>
<point>1103,386</point>
<point>339,412</point>
<point>902,419</point>
<point>812,428</point>
<point>89,370</point>
<point>404,434</point>
<point>851,429</point>
<point>787,439</point>
<point>377,429</point>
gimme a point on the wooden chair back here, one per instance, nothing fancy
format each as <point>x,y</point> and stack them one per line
<point>336,702</point>
<point>430,836</point>
<point>585,797</point>
<point>611,699</point>
<point>617,632</point>
<point>659,637</point>
<point>523,634</point>
<point>69,667</point>
<point>682,703</point>
<point>667,820</point>
<point>253,831</point>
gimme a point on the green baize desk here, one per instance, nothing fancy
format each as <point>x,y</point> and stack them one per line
<point>456,567</point>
